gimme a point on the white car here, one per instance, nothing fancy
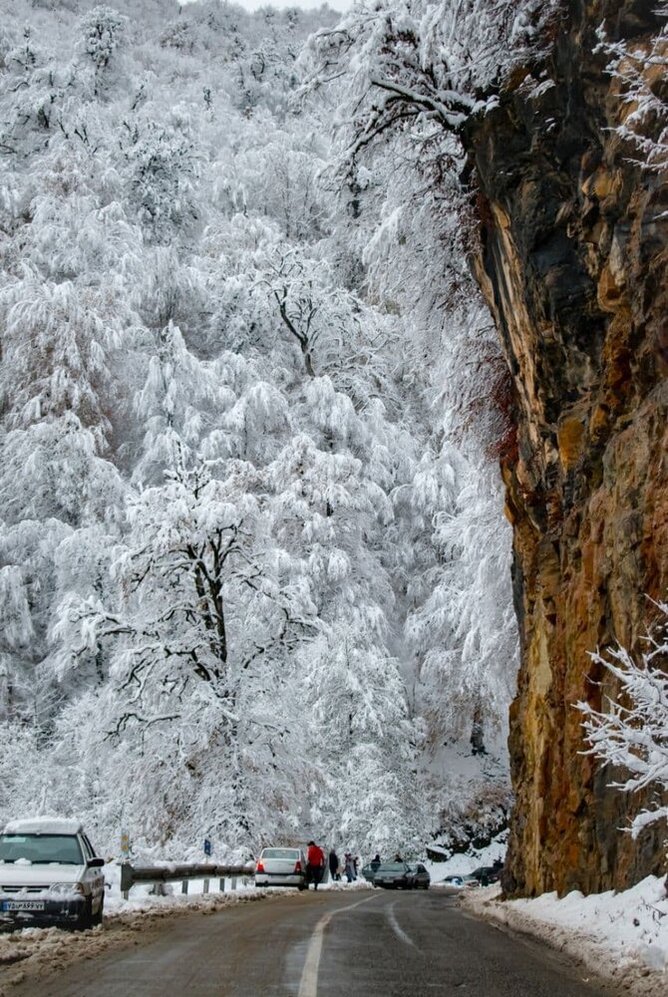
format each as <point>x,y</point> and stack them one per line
<point>458,883</point>
<point>49,875</point>
<point>281,867</point>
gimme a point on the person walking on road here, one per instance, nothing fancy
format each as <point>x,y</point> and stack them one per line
<point>334,866</point>
<point>315,864</point>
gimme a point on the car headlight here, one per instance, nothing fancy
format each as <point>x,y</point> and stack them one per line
<point>61,888</point>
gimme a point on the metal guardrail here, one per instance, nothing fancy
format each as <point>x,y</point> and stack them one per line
<point>130,875</point>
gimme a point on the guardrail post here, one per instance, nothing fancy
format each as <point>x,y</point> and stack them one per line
<point>159,875</point>
<point>126,879</point>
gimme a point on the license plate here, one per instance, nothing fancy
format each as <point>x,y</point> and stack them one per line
<point>22,905</point>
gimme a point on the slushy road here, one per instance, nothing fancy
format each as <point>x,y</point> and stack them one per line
<point>326,944</point>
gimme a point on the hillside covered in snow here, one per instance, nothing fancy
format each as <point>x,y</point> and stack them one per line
<point>254,572</point>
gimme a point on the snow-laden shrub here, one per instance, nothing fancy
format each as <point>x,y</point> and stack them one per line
<point>632,733</point>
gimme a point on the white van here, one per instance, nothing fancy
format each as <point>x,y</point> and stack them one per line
<point>49,875</point>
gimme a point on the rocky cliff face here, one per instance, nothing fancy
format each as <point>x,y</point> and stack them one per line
<point>574,264</point>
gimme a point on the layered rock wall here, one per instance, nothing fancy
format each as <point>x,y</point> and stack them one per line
<point>574,265</point>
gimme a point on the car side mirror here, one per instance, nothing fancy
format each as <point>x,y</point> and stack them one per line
<point>95,863</point>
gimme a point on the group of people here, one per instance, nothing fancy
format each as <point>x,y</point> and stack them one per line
<point>349,868</point>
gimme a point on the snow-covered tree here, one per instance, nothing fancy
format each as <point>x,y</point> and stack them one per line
<point>362,789</point>
<point>19,795</point>
<point>101,34</point>
<point>427,60</point>
<point>639,70</point>
<point>55,387</point>
<point>631,731</point>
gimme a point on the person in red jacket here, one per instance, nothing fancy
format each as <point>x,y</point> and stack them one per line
<point>315,864</point>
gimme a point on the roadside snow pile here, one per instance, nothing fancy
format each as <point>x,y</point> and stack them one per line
<point>623,935</point>
<point>143,901</point>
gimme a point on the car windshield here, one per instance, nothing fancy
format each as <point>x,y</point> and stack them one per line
<point>280,853</point>
<point>41,848</point>
<point>392,867</point>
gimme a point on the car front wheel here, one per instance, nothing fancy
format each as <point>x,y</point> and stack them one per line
<point>97,918</point>
<point>86,917</point>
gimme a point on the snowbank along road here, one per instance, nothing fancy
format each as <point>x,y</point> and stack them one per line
<point>325,944</point>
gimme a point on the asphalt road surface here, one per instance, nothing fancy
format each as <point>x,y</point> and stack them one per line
<point>326,944</point>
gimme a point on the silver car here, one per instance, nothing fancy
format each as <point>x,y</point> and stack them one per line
<point>393,876</point>
<point>421,877</point>
<point>49,875</point>
<point>281,867</point>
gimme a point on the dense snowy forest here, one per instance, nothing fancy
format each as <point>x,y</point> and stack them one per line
<point>254,569</point>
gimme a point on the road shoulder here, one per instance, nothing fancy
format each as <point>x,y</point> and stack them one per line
<point>37,953</point>
<point>602,962</point>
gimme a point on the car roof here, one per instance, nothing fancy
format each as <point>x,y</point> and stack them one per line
<point>43,825</point>
<point>281,848</point>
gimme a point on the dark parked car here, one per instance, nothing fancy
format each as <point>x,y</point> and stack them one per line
<point>394,875</point>
<point>488,874</point>
<point>368,872</point>
<point>421,877</point>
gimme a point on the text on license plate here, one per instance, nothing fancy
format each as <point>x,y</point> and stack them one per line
<point>23,905</point>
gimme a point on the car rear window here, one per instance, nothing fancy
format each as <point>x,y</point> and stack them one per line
<point>280,853</point>
<point>41,848</point>
<point>392,867</point>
